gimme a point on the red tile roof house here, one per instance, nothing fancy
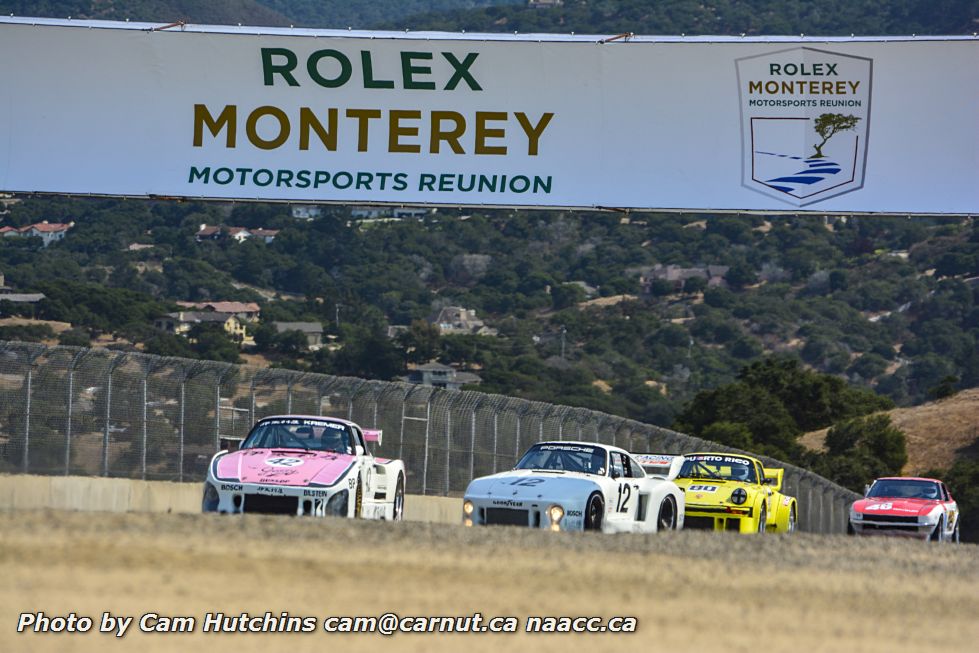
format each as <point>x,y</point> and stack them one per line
<point>239,234</point>
<point>268,235</point>
<point>208,233</point>
<point>48,232</point>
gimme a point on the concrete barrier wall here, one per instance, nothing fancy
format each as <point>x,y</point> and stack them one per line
<point>94,494</point>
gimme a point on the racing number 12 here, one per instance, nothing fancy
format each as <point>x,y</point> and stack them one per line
<point>624,493</point>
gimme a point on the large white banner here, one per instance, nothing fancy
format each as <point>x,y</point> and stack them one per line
<point>696,124</point>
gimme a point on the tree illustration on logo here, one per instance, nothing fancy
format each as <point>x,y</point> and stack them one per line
<point>830,124</point>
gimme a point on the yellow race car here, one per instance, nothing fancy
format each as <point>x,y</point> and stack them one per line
<point>732,492</point>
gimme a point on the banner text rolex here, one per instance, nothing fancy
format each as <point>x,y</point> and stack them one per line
<point>777,124</point>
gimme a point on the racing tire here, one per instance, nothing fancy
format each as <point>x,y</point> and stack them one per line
<point>762,519</point>
<point>938,535</point>
<point>666,520</point>
<point>359,500</point>
<point>594,512</point>
<point>849,528</point>
<point>790,527</point>
<point>955,533</point>
<point>399,499</point>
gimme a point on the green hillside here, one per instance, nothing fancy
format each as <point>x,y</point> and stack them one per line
<point>827,17</point>
<point>362,14</point>
<point>730,17</point>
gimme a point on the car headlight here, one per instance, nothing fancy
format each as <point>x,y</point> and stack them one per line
<point>739,496</point>
<point>467,508</point>
<point>211,499</point>
<point>337,505</point>
<point>930,518</point>
<point>556,513</point>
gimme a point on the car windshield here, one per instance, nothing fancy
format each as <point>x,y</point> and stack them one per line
<point>896,488</point>
<point>313,435</point>
<point>721,467</point>
<point>559,456</point>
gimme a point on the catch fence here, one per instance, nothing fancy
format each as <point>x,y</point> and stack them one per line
<point>95,412</point>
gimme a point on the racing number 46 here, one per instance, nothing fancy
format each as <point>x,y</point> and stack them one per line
<point>624,493</point>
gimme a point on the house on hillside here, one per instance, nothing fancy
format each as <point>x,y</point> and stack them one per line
<point>306,212</point>
<point>237,234</point>
<point>456,320</point>
<point>48,232</point>
<point>181,322</point>
<point>313,331</point>
<point>266,235</point>
<point>8,294</point>
<point>438,375</point>
<point>244,311</point>
<point>714,274</point>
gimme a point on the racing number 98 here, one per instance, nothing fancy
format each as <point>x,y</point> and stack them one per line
<point>624,493</point>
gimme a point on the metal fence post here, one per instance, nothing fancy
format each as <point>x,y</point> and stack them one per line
<point>217,406</point>
<point>472,443</point>
<point>401,434</point>
<point>70,402</point>
<point>428,429</point>
<point>516,447</point>
<point>217,414</point>
<point>27,418</point>
<point>496,438</point>
<point>108,422</point>
<point>143,459</point>
<point>180,448</point>
<point>448,448</point>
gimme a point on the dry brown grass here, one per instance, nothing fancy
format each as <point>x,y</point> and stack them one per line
<point>691,591</point>
<point>937,432</point>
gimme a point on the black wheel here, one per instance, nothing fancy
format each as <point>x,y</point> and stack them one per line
<point>936,535</point>
<point>667,515</point>
<point>359,500</point>
<point>762,518</point>
<point>955,533</point>
<point>594,513</point>
<point>792,520</point>
<point>849,528</point>
<point>399,498</point>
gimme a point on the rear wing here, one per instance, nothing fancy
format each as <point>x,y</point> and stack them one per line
<point>373,435</point>
<point>773,477</point>
<point>660,465</point>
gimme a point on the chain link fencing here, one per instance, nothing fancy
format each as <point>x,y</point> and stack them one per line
<point>94,412</point>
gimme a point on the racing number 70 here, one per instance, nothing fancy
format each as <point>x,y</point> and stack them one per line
<point>624,493</point>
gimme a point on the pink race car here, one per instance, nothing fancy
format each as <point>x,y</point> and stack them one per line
<point>306,465</point>
<point>909,507</point>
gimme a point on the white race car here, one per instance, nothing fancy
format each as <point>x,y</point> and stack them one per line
<point>306,465</point>
<point>573,486</point>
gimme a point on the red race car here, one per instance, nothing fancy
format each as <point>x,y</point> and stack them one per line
<point>906,506</point>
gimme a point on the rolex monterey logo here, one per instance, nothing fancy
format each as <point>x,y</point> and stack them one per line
<point>805,116</point>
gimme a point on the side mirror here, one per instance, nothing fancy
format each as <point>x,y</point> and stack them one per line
<point>358,450</point>
<point>614,473</point>
<point>767,481</point>
<point>230,444</point>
